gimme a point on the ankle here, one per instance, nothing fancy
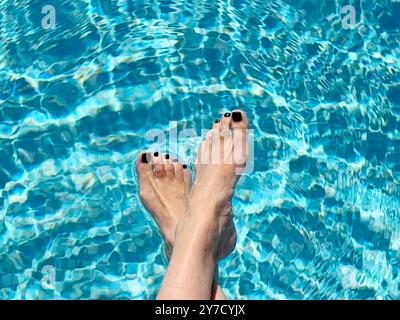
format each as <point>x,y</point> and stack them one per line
<point>200,231</point>
<point>208,198</point>
<point>204,205</point>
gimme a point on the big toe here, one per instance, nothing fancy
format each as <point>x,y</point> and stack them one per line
<point>143,165</point>
<point>239,126</point>
<point>239,120</point>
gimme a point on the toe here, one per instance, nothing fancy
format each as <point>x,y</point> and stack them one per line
<point>217,124</point>
<point>168,166</point>
<point>239,126</point>
<point>178,170</point>
<point>203,154</point>
<point>158,165</point>
<point>216,148</point>
<point>225,122</point>
<point>143,165</point>
<point>239,120</point>
<point>210,135</point>
<point>187,177</point>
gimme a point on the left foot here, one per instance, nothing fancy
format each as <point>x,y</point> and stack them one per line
<point>164,187</point>
<point>164,191</point>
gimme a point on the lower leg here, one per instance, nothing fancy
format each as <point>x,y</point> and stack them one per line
<point>193,262</point>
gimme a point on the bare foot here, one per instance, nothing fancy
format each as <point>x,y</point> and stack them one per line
<point>164,189</point>
<point>164,186</point>
<point>220,161</point>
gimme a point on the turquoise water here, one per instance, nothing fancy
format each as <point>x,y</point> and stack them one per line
<point>317,219</point>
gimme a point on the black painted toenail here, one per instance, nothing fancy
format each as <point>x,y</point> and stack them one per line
<point>228,114</point>
<point>156,154</point>
<point>144,158</point>
<point>167,156</point>
<point>184,166</point>
<point>217,121</point>
<point>237,116</point>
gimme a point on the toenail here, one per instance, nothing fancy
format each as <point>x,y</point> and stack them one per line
<point>184,166</point>
<point>217,121</point>
<point>156,154</point>
<point>175,160</point>
<point>167,156</point>
<point>237,116</point>
<point>228,114</point>
<point>145,158</point>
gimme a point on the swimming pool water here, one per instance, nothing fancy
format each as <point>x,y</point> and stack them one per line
<point>317,219</point>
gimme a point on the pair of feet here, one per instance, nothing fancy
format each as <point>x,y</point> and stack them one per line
<point>167,191</point>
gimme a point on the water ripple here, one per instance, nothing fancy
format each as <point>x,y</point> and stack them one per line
<point>318,218</point>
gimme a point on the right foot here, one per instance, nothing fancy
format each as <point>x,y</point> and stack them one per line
<point>220,161</point>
